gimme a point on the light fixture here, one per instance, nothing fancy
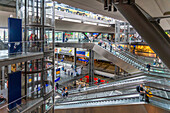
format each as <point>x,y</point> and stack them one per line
<point>71,20</point>
<point>104,25</point>
<point>91,23</point>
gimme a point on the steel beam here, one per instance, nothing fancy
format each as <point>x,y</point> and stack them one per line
<point>85,35</point>
<point>156,39</point>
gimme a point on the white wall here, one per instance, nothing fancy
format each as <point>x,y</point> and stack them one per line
<point>4,18</point>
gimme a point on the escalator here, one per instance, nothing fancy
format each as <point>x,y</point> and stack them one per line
<point>124,58</point>
<point>136,78</point>
<point>156,85</point>
<point>113,100</point>
<point>125,96</point>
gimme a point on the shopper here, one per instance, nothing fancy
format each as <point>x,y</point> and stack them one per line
<point>72,66</point>
<point>66,39</point>
<point>110,47</point>
<point>79,87</point>
<point>142,93</point>
<point>66,93</point>
<point>148,66</point>
<point>98,82</point>
<point>65,72</point>
<point>84,86</point>
<point>154,62</point>
<point>63,93</point>
<point>63,57</point>
<point>105,45</point>
<point>159,62</point>
<point>56,86</point>
<point>63,88</point>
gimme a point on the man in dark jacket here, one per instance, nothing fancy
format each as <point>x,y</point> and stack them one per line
<point>142,92</point>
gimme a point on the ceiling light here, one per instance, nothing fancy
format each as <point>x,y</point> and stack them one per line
<point>91,23</point>
<point>71,20</point>
<point>104,25</point>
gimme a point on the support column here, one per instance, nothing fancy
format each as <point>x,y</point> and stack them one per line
<point>75,59</point>
<point>42,60</point>
<point>3,77</point>
<point>4,35</point>
<point>53,57</point>
<point>17,8</point>
<point>91,67</point>
<point>32,77</point>
<point>63,37</point>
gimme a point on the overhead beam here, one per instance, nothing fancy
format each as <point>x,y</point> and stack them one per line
<point>156,39</point>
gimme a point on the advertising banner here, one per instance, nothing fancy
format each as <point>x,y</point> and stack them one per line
<point>15,35</point>
<point>14,89</point>
<point>81,53</point>
<point>65,51</point>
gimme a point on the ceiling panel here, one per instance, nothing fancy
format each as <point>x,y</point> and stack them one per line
<point>93,6</point>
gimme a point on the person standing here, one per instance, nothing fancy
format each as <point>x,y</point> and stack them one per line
<point>66,93</point>
<point>84,86</point>
<point>66,39</point>
<point>142,93</point>
<point>56,86</point>
<point>159,62</point>
<point>154,62</point>
<point>148,66</point>
<point>110,47</point>
<point>98,82</point>
<point>105,45</point>
<point>79,87</point>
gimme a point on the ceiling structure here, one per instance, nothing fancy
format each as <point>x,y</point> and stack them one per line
<point>79,27</point>
<point>156,8</point>
<point>8,3</point>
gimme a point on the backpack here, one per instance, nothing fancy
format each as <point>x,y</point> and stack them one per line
<point>138,89</point>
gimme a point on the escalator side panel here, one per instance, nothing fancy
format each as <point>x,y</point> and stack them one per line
<point>117,61</point>
<point>128,108</point>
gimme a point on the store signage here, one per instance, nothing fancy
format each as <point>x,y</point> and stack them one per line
<point>80,53</point>
<point>65,51</point>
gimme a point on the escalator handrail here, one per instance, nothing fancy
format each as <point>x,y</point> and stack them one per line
<point>107,97</point>
<point>117,82</point>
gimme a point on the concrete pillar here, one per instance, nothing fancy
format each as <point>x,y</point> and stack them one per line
<point>63,37</point>
<point>75,59</point>
<point>91,67</point>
